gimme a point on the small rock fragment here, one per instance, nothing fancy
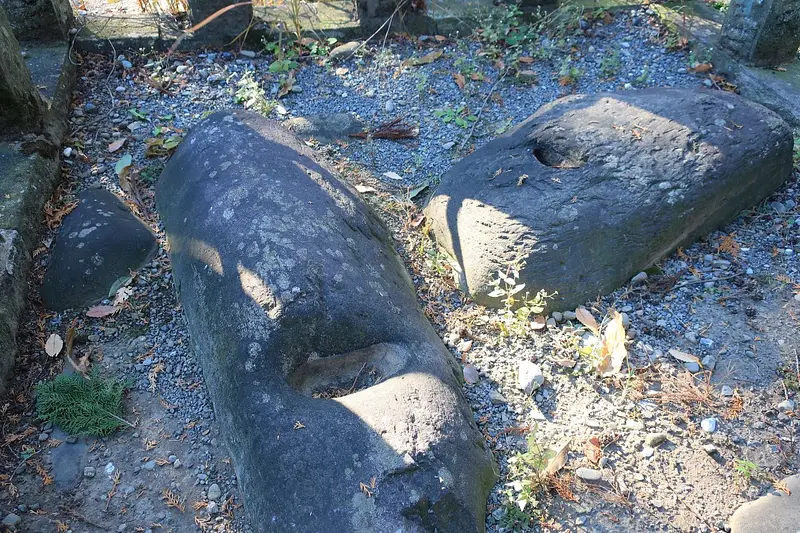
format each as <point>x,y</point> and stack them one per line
<point>11,520</point>
<point>530,376</point>
<point>709,425</point>
<point>89,472</point>
<point>247,53</point>
<point>588,474</point>
<point>786,405</point>
<point>654,439</point>
<point>214,492</point>
<point>639,278</point>
<point>647,452</point>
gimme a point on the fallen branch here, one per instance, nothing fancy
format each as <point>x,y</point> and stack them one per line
<point>394,129</point>
<point>480,111</point>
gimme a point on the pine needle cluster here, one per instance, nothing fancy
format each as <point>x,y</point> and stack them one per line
<point>82,406</point>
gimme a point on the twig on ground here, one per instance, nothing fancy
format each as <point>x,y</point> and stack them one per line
<point>394,129</point>
<point>696,281</point>
<point>388,21</point>
<point>480,111</point>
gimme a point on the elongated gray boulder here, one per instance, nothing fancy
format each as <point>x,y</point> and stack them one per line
<point>341,406</point>
<point>99,243</point>
<point>591,190</point>
<point>777,512</point>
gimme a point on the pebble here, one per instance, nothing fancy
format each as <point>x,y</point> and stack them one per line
<point>110,469</point>
<point>639,278</point>
<point>648,452</point>
<point>786,405</point>
<point>496,398</point>
<point>558,317</point>
<point>89,472</point>
<point>67,151</point>
<point>149,465</point>
<point>212,508</point>
<point>569,315</point>
<point>709,425</point>
<point>726,390</point>
<point>692,367</point>
<point>588,474</point>
<point>709,362</point>
<point>127,65</point>
<point>43,437</point>
<point>343,51</point>
<point>389,106</point>
<point>248,53</point>
<point>11,520</point>
<point>710,449</point>
<point>214,492</point>
<point>654,439</point>
<point>530,376</point>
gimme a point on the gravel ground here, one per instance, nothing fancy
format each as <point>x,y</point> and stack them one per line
<point>733,304</point>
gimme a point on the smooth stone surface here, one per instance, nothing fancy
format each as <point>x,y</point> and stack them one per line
<point>591,190</point>
<point>293,291</point>
<point>589,474</point>
<point>777,512</point>
<point>99,242</point>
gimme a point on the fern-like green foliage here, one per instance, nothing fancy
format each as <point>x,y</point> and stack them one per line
<point>82,406</point>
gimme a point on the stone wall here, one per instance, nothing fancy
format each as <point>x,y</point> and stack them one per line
<point>39,20</point>
<point>21,105</point>
<point>762,32</point>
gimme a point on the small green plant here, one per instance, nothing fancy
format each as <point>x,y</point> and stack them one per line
<point>321,48</point>
<point>610,64</point>
<point>514,318</point>
<point>422,83</point>
<point>641,81</point>
<point>82,406</point>
<point>149,174</point>
<point>797,149</point>
<point>460,116</point>
<point>745,469</point>
<point>527,482</point>
<point>281,66</point>
<point>569,74</point>
<point>251,95</point>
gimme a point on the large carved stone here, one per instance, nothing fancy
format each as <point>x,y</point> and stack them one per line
<point>341,406</point>
<point>593,189</point>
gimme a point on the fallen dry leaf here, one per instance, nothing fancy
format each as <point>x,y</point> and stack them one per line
<point>471,374</point>
<point>538,323</point>
<point>566,363</point>
<point>116,145</point>
<point>465,345</point>
<point>525,59</point>
<point>427,59</point>
<point>54,345</point>
<point>100,311</point>
<point>365,189</point>
<point>703,67</point>
<point>459,79</point>
<point>393,175</point>
<point>684,357</point>
<point>593,450</point>
<point>612,349</point>
<point>587,319</point>
<point>558,462</point>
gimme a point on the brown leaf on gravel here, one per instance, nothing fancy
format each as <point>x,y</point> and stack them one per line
<point>471,374</point>
<point>525,59</point>
<point>459,79</point>
<point>586,318</point>
<point>101,311</point>
<point>465,345</point>
<point>593,450</point>
<point>684,357</point>
<point>703,67</point>
<point>427,59</point>
<point>558,462</point>
<point>566,362</point>
<point>538,323</point>
<point>116,145</point>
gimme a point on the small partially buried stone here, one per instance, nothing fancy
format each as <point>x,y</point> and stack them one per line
<point>654,439</point>
<point>589,474</point>
<point>530,377</point>
<point>709,425</point>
